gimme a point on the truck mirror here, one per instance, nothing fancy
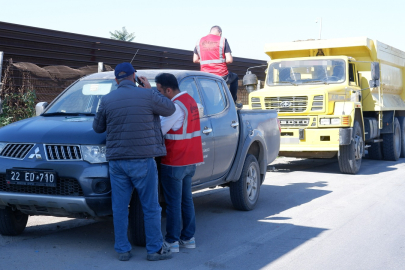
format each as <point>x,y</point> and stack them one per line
<point>40,108</point>
<point>375,71</point>
<point>250,81</point>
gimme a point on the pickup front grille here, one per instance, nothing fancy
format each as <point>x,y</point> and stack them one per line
<point>64,187</point>
<point>16,150</point>
<point>59,152</point>
<point>295,104</point>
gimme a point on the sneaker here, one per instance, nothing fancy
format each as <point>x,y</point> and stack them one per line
<point>187,243</point>
<point>124,256</point>
<point>174,247</point>
<point>163,254</point>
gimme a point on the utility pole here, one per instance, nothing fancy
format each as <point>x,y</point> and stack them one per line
<point>320,26</point>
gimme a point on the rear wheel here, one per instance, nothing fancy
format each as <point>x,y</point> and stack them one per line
<point>12,222</point>
<point>392,143</point>
<point>350,155</point>
<point>375,151</point>
<point>136,225</point>
<point>401,120</point>
<point>245,192</point>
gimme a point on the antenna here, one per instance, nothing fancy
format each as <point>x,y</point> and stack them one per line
<point>134,56</point>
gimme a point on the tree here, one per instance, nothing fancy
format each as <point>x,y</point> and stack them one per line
<point>122,35</point>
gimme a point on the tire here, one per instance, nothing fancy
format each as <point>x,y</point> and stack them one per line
<point>401,120</point>
<point>136,225</point>
<point>350,156</point>
<point>245,192</point>
<point>12,223</point>
<point>375,151</point>
<point>391,144</point>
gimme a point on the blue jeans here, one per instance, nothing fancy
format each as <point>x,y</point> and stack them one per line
<point>176,183</point>
<point>141,174</point>
<point>232,79</point>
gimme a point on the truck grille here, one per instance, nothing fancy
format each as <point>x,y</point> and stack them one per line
<point>16,150</point>
<point>287,104</point>
<point>294,122</point>
<point>62,152</point>
<point>64,187</point>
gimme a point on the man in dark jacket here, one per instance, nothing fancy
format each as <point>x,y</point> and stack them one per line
<point>130,115</point>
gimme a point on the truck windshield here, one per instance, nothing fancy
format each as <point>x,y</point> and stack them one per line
<point>306,72</point>
<point>83,97</point>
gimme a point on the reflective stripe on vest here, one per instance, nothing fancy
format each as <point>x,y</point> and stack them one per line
<point>184,134</point>
<point>221,54</point>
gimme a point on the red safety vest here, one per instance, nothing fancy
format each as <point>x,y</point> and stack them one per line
<point>211,50</point>
<point>184,146</point>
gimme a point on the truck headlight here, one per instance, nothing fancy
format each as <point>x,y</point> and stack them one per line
<point>2,145</point>
<point>94,153</point>
<point>325,121</point>
<point>335,121</point>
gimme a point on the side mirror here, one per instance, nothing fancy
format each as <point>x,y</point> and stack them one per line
<point>200,110</point>
<point>40,108</point>
<point>375,71</point>
<point>375,75</point>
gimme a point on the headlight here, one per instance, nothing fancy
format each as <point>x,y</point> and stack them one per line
<point>335,121</point>
<point>94,153</point>
<point>325,121</point>
<point>2,145</point>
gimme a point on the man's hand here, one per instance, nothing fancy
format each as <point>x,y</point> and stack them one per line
<point>145,82</point>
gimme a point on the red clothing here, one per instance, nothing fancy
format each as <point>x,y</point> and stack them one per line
<point>184,146</point>
<point>211,50</point>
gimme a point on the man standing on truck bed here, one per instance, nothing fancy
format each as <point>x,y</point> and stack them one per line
<point>130,115</point>
<point>184,150</point>
<point>213,53</point>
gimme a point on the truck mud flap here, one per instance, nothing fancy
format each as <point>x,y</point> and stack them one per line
<point>345,136</point>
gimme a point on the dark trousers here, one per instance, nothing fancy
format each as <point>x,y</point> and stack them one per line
<point>232,80</point>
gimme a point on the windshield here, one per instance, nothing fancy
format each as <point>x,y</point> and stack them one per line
<point>306,72</point>
<point>84,97</point>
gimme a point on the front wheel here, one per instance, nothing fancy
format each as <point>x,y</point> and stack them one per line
<point>350,155</point>
<point>245,192</point>
<point>12,222</point>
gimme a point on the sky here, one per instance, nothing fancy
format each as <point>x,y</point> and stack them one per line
<point>248,25</point>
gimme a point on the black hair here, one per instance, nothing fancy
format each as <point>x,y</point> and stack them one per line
<point>167,80</point>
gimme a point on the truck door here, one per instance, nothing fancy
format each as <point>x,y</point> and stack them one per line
<point>224,119</point>
<point>204,169</point>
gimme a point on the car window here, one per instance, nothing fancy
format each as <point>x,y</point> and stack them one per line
<point>213,96</point>
<point>188,85</point>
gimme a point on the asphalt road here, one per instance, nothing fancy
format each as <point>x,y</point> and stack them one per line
<point>309,216</point>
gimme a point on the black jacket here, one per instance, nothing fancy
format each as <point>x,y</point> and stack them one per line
<point>130,115</point>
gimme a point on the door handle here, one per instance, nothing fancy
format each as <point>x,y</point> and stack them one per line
<point>207,130</point>
<point>234,124</point>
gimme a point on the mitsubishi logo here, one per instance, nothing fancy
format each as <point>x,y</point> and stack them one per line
<point>285,104</point>
<point>36,155</point>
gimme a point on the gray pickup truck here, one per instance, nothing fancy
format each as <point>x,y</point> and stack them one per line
<point>55,164</point>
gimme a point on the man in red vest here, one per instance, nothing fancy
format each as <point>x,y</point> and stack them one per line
<point>184,150</point>
<point>213,53</point>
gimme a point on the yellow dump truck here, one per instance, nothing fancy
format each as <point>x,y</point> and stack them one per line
<point>336,97</point>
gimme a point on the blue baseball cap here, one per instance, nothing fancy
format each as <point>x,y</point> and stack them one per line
<point>124,67</point>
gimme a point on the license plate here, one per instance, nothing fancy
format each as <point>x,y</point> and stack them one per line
<point>29,177</point>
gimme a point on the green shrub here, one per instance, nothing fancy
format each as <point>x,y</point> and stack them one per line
<point>17,106</point>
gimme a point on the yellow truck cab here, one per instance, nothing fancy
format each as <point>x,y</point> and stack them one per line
<point>336,97</point>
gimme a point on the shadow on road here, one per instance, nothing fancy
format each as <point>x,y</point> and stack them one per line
<point>368,166</point>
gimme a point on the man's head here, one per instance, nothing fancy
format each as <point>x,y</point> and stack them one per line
<point>216,30</point>
<point>167,84</point>
<point>124,71</point>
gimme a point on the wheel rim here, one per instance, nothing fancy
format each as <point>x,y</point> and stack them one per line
<point>251,183</point>
<point>358,147</point>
